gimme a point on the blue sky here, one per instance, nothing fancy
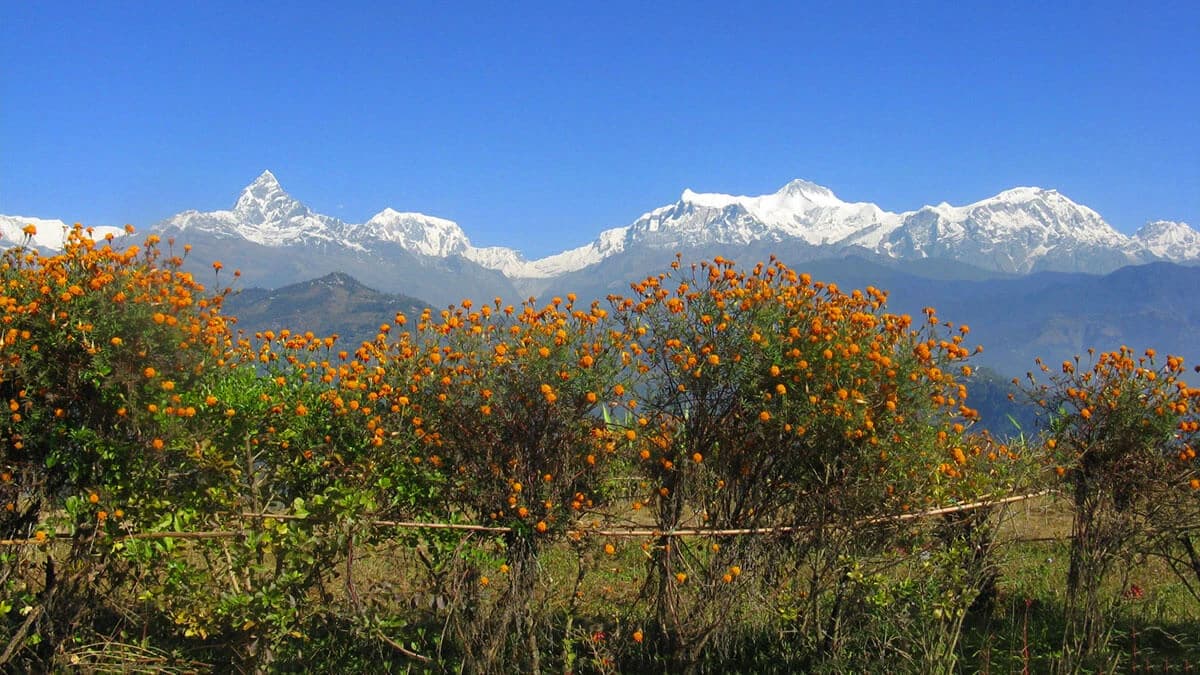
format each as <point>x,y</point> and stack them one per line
<point>535,125</point>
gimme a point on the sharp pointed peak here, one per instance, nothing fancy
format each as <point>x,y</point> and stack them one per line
<point>265,181</point>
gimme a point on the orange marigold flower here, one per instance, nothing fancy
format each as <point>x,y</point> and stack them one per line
<point>764,416</point>
<point>149,372</point>
<point>637,636</point>
<point>610,549</point>
<point>94,498</point>
<point>40,535</point>
<point>541,526</point>
<point>157,444</point>
<point>218,265</point>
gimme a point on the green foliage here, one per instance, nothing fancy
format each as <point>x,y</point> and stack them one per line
<point>178,494</point>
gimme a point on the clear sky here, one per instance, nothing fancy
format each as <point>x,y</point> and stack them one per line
<point>535,125</point>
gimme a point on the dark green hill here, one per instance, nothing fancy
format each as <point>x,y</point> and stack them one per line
<point>335,303</point>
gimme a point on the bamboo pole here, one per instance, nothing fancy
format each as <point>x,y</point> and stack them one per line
<point>598,532</point>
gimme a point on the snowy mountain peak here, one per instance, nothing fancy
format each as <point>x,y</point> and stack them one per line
<point>1023,194</point>
<point>416,232</point>
<point>267,178</point>
<point>1159,228</point>
<point>1170,240</point>
<point>265,201</point>
<point>710,200</point>
<point>809,190</point>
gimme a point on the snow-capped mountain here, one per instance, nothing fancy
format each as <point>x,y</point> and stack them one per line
<point>266,215</point>
<point>1017,231</point>
<point>415,232</point>
<point>1168,240</point>
<point>799,210</point>
<point>50,234</point>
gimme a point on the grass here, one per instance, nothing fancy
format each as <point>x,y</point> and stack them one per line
<point>589,603</point>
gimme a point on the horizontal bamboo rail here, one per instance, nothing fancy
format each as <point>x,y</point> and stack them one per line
<point>597,532</point>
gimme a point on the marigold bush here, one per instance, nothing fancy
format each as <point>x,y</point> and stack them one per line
<point>506,405</point>
<point>1122,439</point>
<point>97,345</point>
<point>776,401</point>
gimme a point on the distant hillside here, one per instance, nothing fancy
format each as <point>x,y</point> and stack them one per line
<point>1051,315</point>
<point>335,303</point>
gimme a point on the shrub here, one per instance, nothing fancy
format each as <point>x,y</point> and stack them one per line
<point>774,401</point>
<point>1122,438</point>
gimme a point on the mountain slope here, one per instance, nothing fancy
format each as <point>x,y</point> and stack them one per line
<point>1176,242</point>
<point>335,303</point>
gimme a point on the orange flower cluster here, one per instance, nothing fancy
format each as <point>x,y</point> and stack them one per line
<point>1125,410</point>
<point>98,348</point>
<point>796,366</point>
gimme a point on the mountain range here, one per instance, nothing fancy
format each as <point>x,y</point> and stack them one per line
<point>1036,273</point>
<point>1018,231</point>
